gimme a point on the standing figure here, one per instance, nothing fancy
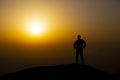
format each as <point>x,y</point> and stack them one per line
<point>79,45</point>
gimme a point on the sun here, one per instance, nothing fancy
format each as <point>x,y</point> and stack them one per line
<point>36,28</point>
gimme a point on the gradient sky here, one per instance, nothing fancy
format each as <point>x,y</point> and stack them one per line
<point>98,22</point>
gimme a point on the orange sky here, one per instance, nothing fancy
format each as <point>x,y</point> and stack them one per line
<point>98,22</point>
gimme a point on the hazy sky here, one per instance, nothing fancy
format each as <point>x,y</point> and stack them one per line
<point>98,22</point>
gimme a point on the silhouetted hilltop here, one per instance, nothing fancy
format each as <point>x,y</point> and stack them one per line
<point>59,72</point>
<point>115,76</point>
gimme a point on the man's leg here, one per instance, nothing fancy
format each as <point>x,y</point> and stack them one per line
<point>82,58</point>
<point>76,58</point>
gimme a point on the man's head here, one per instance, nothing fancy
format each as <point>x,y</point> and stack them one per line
<point>79,37</point>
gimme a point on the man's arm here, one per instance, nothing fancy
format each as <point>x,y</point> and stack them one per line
<point>74,45</point>
<point>84,44</point>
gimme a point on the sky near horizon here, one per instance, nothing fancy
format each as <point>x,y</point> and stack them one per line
<point>97,21</point>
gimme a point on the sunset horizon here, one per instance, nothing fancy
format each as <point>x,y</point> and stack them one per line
<point>42,33</point>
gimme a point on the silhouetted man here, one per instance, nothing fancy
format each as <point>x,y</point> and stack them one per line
<point>79,45</point>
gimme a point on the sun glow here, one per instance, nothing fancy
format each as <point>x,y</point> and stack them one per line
<point>36,28</point>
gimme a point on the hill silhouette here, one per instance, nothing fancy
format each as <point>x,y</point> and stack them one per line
<point>59,72</point>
